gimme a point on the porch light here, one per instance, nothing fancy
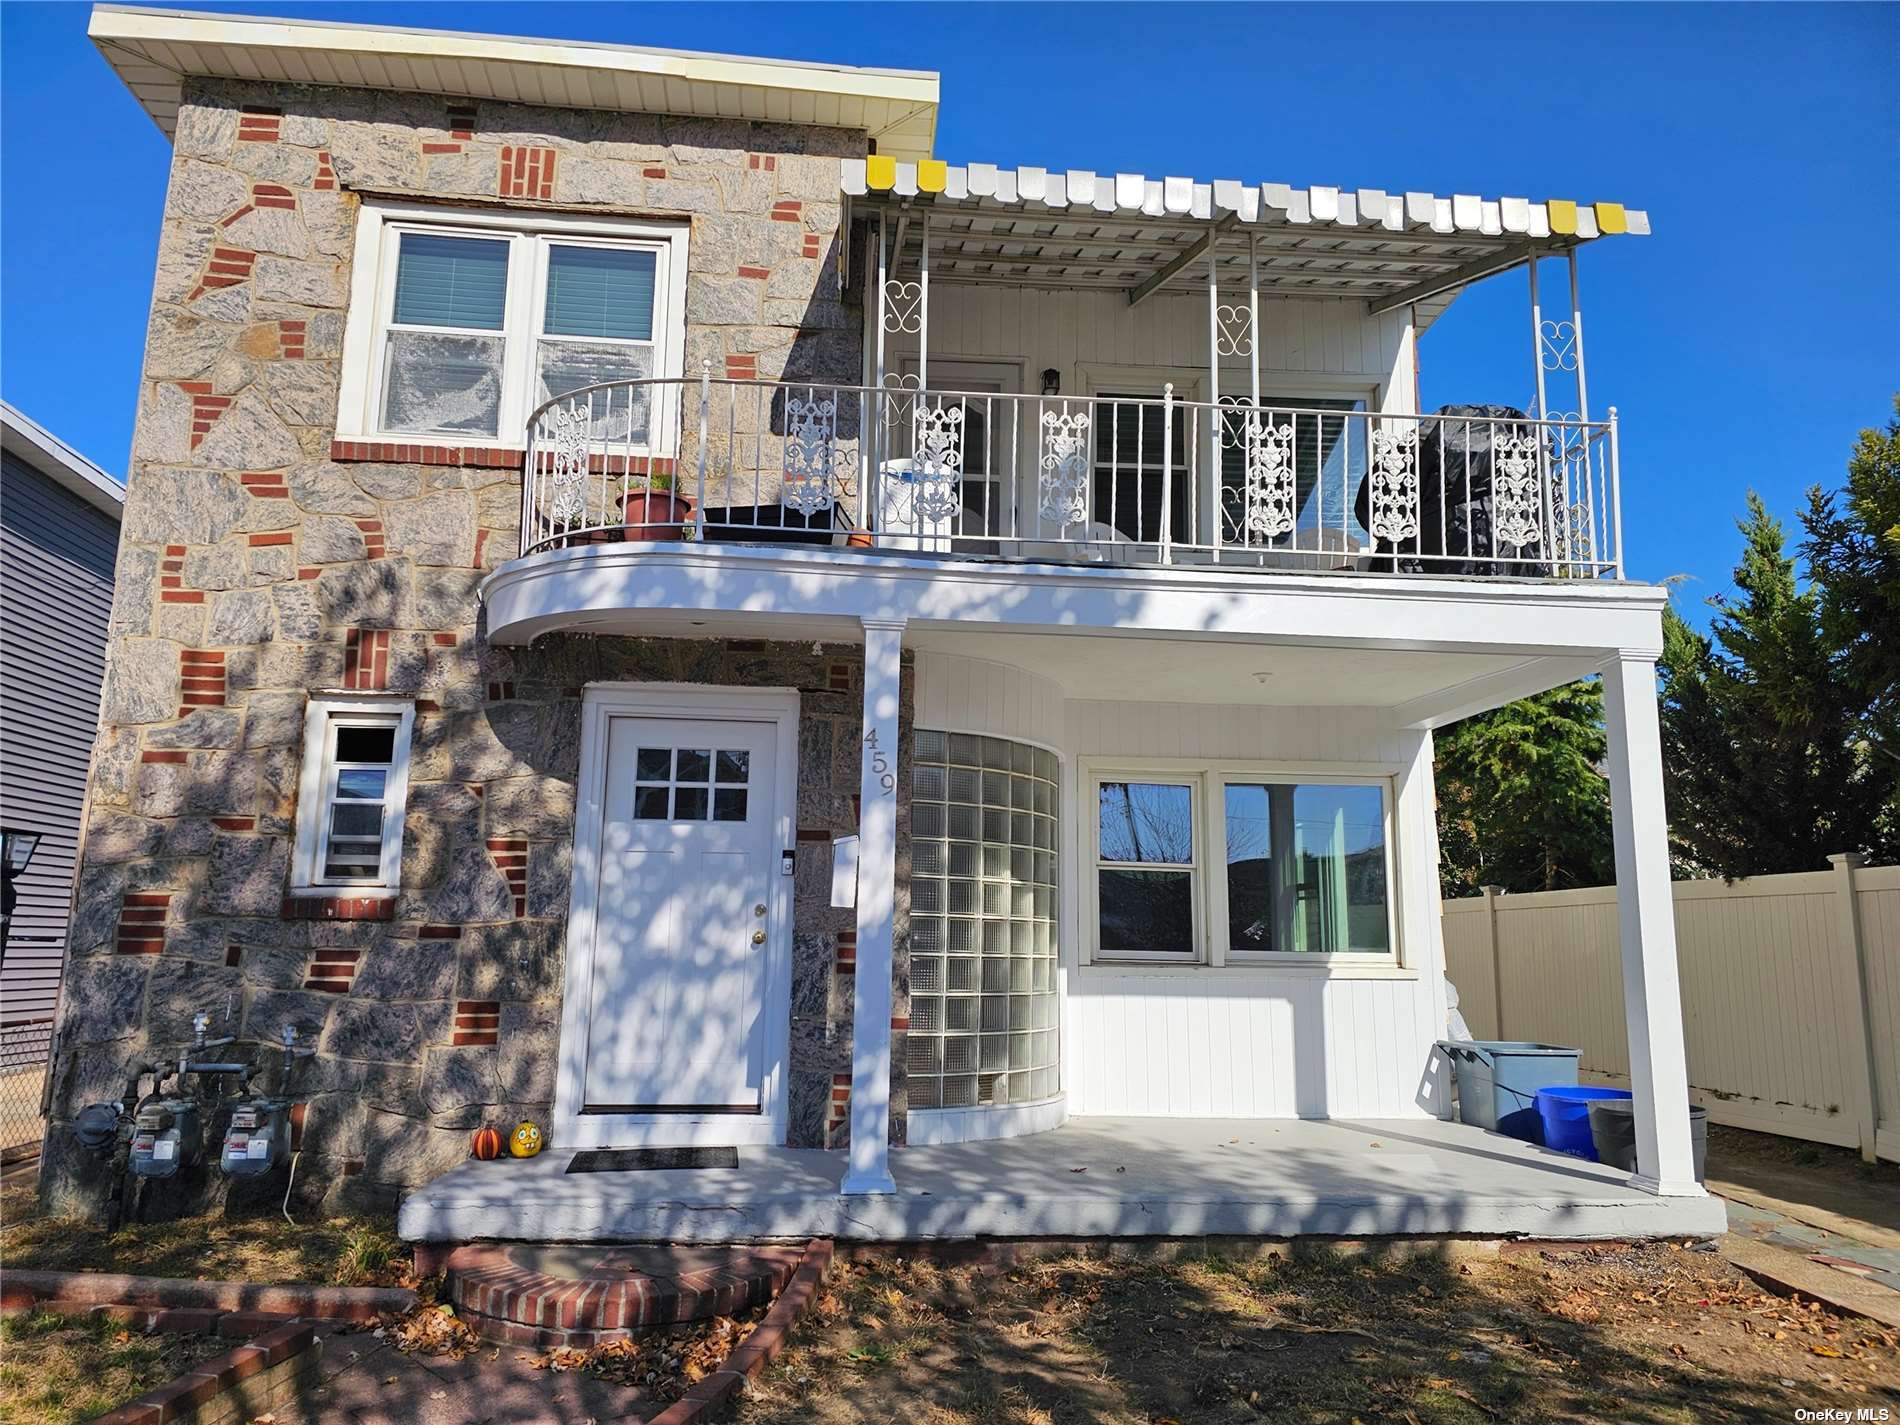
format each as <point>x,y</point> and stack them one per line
<point>1051,382</point>
<point>17,848</point>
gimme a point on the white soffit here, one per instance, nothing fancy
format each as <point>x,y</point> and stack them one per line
<point>27,440</point>
<point>154,51</point>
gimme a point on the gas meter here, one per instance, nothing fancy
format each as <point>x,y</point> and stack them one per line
<point>257,1139</point>
<point>166,1136</point>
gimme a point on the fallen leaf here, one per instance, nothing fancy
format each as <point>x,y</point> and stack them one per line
<point>1828,1351</point>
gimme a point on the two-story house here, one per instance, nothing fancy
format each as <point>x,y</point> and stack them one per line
<point>650,602</point>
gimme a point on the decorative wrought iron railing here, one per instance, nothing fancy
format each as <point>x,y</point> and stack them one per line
<point>1478,490</point>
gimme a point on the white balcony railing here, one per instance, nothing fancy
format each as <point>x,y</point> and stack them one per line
<point>1480,491</point>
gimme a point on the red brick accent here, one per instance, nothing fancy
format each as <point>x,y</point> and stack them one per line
<point>326,175</point>
<point>838,1112</point>
<point>757,274</point>
<point>510,855</point>
<point>235,823</point>
<point>309,571</point>
<point>307,907</point>
<point>501,692</point>
<point>374,546</point>
<point>206,404</point>
<point>290,340</point>
<point>265,485</point>
<point>477,1021</point>
<point>332,971</point>
<point>260,123</point>
<point>200,679</point>
<point>226,267</point>
<point>173,551</point>
<point>653,173</point>
<point>272,195</point>
<point>481,543</point>
<point>429,148</point>
<point>814,246</point>
<point>788,210</point>
<point>366,657</point>
<point>405,454</point>
<point>444,640</point>
<point>274,537</point>
<point>766,162</point>
<point>838,677</point>
<point>142,917</point>
<point>439,932</point>
<point>847,952</point>
<point>180,596</point>
<point>527,172</point>
<point>742,368</point>
<point>462,121</point>
<point>172,755</point>
<point>900,1023</point>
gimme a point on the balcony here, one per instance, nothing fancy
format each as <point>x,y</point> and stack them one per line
<point>1055,479</point>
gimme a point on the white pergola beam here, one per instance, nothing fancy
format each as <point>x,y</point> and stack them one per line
<point>1488,266</point>
<point>1151,285</point>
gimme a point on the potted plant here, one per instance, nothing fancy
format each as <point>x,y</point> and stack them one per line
<point>657,511</point>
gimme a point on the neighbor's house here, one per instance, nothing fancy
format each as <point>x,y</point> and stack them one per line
<point>59,535</point>
<point>578,489</point>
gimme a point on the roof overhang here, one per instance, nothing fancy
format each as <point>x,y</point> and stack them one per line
<point>1126,231</point>
<point>26,440</point>
<point>155,51</point>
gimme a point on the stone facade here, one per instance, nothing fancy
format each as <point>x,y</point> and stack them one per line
<point>262,561</point>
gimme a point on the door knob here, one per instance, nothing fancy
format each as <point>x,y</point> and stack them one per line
<point>758,937</point>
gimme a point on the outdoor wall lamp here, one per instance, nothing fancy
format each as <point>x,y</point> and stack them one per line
<point>16,851</point>
<point>1051,382</point>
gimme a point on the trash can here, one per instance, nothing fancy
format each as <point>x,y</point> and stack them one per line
<point>1613,1134</point>
<point>1498,1080</point>
<point>1566,1116</point>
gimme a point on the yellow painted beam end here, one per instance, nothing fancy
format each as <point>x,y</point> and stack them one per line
<point>933,174</point>
<point>1563,216</point>
<point>1611,218</point>
<point>880,172</point>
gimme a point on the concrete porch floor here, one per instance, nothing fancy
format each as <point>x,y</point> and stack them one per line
<point>1093,1177</point>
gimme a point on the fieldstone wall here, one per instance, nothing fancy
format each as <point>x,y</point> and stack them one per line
<point>256,566</point>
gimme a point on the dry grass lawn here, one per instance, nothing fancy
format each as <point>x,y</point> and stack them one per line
<point>339,1251</point>
<point>1646,1334</point>
<point>59,1369</point>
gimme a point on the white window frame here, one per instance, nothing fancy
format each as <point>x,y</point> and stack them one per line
<point>316,786</point>
<point>1210,781</point>
<point>1196,869</point>
<point>530,234</point>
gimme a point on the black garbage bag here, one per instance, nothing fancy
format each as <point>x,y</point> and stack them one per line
<point>1456,464</point>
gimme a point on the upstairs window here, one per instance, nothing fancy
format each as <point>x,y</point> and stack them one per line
<point>461,325</point>
<point>352,795</point>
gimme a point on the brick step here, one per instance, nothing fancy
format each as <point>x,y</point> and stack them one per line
<point>543,1296</point>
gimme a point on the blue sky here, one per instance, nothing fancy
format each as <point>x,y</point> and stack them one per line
<point>1745,343</point>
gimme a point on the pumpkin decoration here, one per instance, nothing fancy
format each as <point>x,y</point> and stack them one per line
<point>485,1143</point>
<point>525,1141</point>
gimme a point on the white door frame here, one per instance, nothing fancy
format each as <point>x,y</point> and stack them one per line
<point>571,1128</point>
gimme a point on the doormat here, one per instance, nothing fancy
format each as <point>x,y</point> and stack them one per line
<point>638,1160</point>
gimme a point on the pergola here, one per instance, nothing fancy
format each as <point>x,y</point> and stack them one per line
<point>1034,227</point>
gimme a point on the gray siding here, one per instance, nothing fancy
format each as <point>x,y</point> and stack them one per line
<point>56,561</point>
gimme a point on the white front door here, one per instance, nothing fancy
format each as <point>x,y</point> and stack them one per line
<point>675,988</point>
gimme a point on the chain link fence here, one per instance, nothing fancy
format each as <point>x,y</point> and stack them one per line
<point>24,1049</point>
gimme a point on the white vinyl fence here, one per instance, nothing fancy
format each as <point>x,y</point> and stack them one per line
<point>1790,993</point>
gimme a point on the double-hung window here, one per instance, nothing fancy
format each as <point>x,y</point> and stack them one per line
<point>352,795</point>
<point>462,324</point>
<point>1226,867</point>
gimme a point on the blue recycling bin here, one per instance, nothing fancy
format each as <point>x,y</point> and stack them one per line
<point>1498,1080</point>
<point>1566,1116</point>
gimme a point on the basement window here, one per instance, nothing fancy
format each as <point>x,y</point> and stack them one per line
<point>352,795</point>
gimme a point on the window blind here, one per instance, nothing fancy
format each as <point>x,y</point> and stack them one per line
<point>600,292</point>
<point>451,282</point>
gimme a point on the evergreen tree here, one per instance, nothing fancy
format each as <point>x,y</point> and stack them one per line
<point>1760,742</point>
<point>1521,800</point>
<point>1854,556</point>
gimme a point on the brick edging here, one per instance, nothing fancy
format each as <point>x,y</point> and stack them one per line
<point>766,1340</point>
<point>185,1397</point>
<point>84,1290</point>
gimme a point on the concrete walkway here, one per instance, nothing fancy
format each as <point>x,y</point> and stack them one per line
<point>366,1382</point>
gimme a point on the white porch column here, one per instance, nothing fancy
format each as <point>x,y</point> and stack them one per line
<point>1652,996</point>
<point>869,1169</point>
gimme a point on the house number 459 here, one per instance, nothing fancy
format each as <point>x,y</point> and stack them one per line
<point>880,765</point>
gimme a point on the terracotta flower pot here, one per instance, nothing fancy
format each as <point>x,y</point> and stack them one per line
<point>656,514</point>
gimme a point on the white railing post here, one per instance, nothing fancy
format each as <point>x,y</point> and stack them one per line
<point>1167,472</point>
<point>526,541</point>
<point>705,423</point>
<point>1616,494</point>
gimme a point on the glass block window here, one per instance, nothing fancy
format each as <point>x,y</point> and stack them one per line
<point>983,1009</point>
